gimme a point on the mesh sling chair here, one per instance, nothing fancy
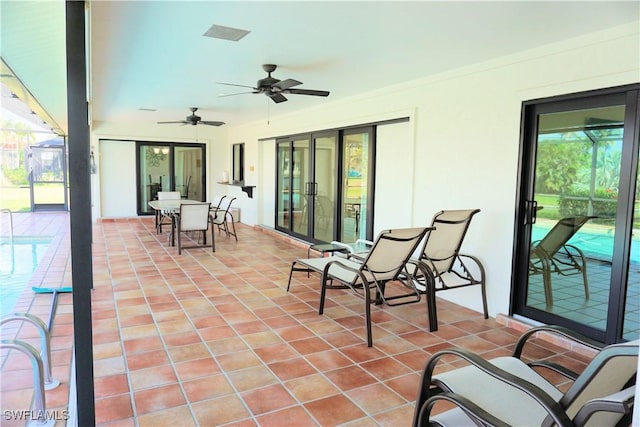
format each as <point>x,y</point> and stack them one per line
<point>513,393</point>
<point>385,263</point>
<point>165,217</point>
<point>222,215</point>
<point>553,254</point>
<point>446,268</point>
<point>195,218</point>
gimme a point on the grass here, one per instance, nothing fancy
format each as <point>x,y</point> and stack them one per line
<point>18,199</point>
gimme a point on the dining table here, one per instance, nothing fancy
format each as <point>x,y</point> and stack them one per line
<point>169,208</point>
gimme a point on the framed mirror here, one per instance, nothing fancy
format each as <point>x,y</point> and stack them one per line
<point>238,164</point>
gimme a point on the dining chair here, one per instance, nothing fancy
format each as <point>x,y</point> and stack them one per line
<point>165,216</point>
<point>194,217</point>
<point>222,217</point>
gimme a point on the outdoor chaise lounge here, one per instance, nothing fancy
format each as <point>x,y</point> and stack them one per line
<point>447,268</point>
<point>385,263</point>
<point>506,391</point>
<point>552,254</point>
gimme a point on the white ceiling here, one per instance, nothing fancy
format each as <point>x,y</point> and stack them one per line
<point>152,54</point>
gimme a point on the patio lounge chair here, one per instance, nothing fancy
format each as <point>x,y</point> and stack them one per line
<point>552,254</point>
<point>385,263</point>
<point>447,268</point>
<point>194,217</point>
<point>507,391</point>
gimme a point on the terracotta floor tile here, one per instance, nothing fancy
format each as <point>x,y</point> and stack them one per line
<point>210,412</point>
<point>267,399</point>
<point>240,360</point>
<point>294,416</point>
<point>253,377</point>
<point>350,377</point>
<point>113,408</point>
<point>152,377</point>
<point>328,360</point>
<point>147,359</point>
<point>206,388</point>
<point>177,416</point>
<point>158,398</point>
<point>111,385</point>
<point>311,387</point>
<point>137,345</point>
<point>375,398</point>
<point>196,368</point>
<point>292,368</point>
<point>276,352</point>
<point>310,345</point>
<point>334,410</point>
<point>385,368</point>
<point>189,352</point>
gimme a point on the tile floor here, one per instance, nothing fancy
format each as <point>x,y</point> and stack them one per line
<point>214,339</point>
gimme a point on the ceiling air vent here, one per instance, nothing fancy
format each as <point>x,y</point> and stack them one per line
<point>226,33</point>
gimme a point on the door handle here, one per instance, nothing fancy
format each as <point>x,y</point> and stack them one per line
<point>531,212</point>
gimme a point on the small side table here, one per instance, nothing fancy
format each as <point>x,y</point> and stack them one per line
<point>324,248</point>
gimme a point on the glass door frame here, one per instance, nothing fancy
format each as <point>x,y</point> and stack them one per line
<point>371,178</point>
<point>141,210</point>
<point>525,209</point>
<point>33,181</point>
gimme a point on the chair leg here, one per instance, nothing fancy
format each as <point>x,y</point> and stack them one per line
<point>213,241</point>
<point>367,313</point>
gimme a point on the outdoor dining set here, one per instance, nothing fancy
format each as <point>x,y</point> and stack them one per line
<point>193,216</point>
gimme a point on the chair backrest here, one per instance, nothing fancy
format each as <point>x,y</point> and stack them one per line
<point>390,252</point>
<point>613,369</point>
<point>223,209</point>
<point>560,234</point>
<point>168,195</point>
<point>443,242</point>
<point>194,216</point>
<point>186,187</point>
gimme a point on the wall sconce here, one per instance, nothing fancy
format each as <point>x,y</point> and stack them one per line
<point>163,150</point>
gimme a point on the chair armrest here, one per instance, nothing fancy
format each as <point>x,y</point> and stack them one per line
<point>478,415</point>
<point>554,330</point>
<point>619,403</point>
<point>552,407</point>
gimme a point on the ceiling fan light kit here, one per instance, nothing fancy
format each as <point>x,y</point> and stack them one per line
<point>276,88</point>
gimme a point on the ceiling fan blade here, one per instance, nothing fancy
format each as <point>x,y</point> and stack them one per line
<point>233,84</point>
<point>277,97</point>
<point>308,92</point>
<point>180,121</point>
<point>210,123</point>
<point>286,84</point>
<point>234,94</point>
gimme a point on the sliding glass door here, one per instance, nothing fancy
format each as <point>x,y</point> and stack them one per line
<point>578,256</point>
<point>307,186</point>
<point>356,204</point>
<point>169,167</point>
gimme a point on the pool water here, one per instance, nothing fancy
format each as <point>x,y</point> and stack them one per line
<point>18,261</point>
<point>596,244</point>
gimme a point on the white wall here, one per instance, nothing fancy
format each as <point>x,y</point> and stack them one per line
<point>459,149</point>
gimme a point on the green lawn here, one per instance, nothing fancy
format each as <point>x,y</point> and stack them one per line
<point>18,199</point>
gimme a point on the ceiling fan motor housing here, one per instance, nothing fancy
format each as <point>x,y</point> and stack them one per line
<point>266,83</point>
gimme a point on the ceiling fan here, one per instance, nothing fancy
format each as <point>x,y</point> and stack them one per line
<point>194,119</point>
<point>275,88</point>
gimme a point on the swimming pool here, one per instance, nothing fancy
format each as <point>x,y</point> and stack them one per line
<point>19,259</point>
<point>595,242</point>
